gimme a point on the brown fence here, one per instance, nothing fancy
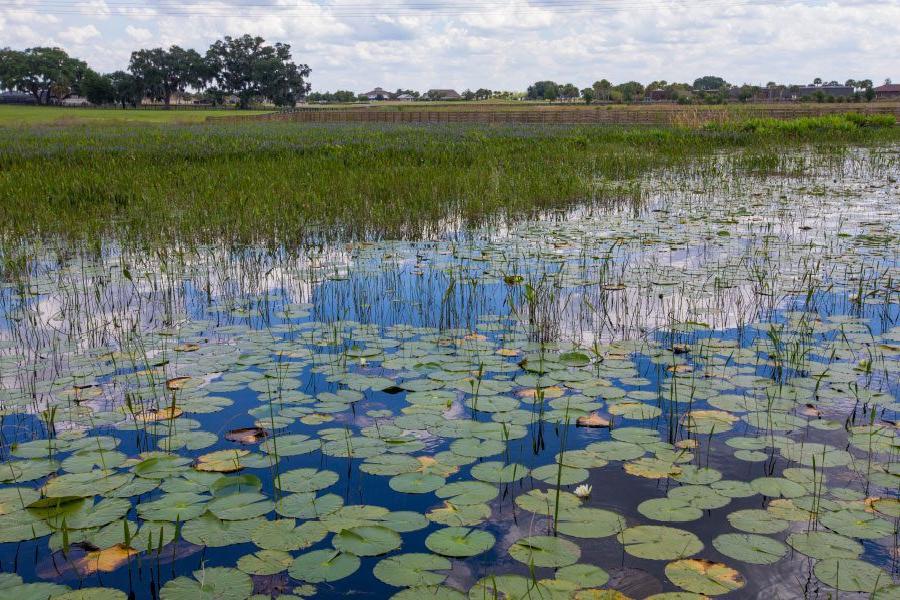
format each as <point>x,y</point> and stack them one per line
<point>565,116</point>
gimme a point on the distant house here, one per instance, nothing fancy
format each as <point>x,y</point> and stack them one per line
<point>405,97</point>
<point>835,91</point>
<point>657,95</point>
<point>378,94</point>
<point>74,101</point>
<point>889,91</point>
<point>444,95</point>
<point>12,97</point>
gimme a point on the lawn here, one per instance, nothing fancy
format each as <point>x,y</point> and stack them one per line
<point>17,116</point>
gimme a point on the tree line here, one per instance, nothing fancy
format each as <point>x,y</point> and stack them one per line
<point>709,89</point>
<point>245,67</point>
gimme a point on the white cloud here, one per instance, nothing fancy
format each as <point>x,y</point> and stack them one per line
<point>138,34</point>
<point>502,44</point>
<point>79,35</point>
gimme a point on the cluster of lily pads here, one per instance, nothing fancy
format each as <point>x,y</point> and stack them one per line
<point>153,408</point>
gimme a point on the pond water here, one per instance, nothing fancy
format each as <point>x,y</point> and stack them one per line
<point>692,396</point>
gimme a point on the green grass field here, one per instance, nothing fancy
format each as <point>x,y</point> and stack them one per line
<point>19,116</point>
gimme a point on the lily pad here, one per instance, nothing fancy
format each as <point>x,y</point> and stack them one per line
<point>704,576</point>
<point>412,570</point>
<point>323,565</point>
<point>459,541</point>
<point>659,543</point>
<point>545,551</point>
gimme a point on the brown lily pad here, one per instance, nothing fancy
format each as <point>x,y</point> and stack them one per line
<point>247,435</point>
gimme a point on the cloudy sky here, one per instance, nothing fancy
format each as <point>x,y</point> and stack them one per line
<point>498,44</point>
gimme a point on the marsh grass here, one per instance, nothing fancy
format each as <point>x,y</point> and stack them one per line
<point>264,182</point>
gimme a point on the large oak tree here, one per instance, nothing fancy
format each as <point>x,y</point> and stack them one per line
<point>163,72</point>
<point>249,68</point>
<point>45,73</point>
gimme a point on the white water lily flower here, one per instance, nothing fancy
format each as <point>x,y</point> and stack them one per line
<point>583,490</point>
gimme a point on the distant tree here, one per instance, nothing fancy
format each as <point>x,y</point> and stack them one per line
<point>412,93</point>
<point>817,81</point>
<point>865,83</point>
<point>97,88</point>
<point>165,72</point>
<point>869,93</point>
<point>888,81</point>
<point>602,89</point>
<point>468,95</point>
<point>249,68</point>
<point>344,96</point>
<point>587,94</point>
<point>215,96</point>
<point>543,90</point>
<point>482,94</point>
<point>127,89</point>
<point>631,91</point>
<point>709,83</point>
<point>45,73</point>
<point>850,83</point>
<point>568,91</point>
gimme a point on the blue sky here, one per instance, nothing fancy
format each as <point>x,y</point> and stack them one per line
<point>498,44</point>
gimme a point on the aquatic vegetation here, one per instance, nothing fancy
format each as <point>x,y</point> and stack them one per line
<point>697,394</point>
<point>282,183</point>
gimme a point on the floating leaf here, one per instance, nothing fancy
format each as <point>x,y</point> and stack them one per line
<point>750,548</point>
<point>851,575</point>
<point>366,540</point>
<point>220,583</point>
<point>265,562</point>
<point>323,565</point>
<point>545,551</point>
<point>409,570</point>
<point>824,544</point>
<point>704,576</point>
<point>659,543</point>
<point>459,541</point>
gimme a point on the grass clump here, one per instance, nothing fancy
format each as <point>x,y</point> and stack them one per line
<point>805,127</point>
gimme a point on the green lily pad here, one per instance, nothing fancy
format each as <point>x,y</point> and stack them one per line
<point>323,565</point>
<point>851,575</point>
<point>857,524</point>
<point>216,582</point>
<point>265,562</point>
<point>750,548</point>
<point>306,480</point>
<point>412,570</point>
<point>585,522</point>
<point>209,530</point>
<point>824,544</point>
<point>498,472</point>
<point>669,509</point>
<point>584,576</point>
<point>467,492</point>
<point>366,541</point>
<point>754,520</point>
<point>545,551</point>
<point>459,541</point>
<point>416,483</point>
<point>659,543</point>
